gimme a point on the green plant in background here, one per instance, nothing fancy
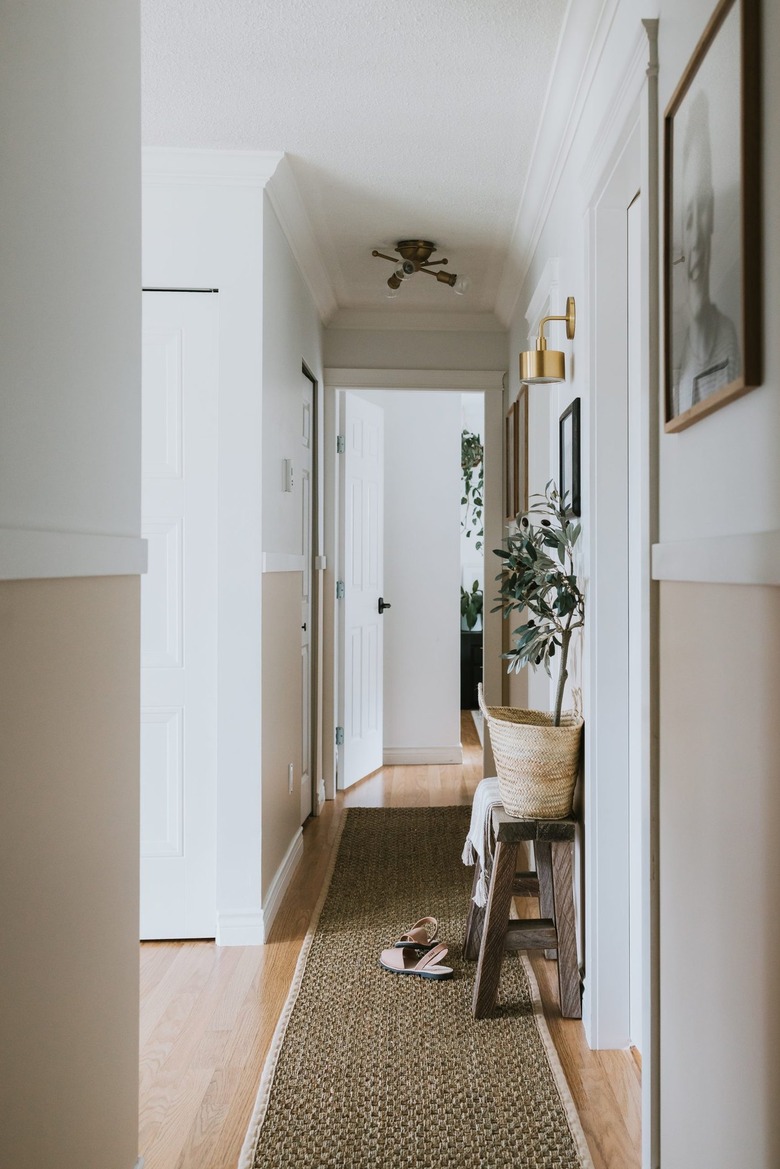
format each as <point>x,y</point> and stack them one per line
<point>472,465</point>
<point>471,603</point>
<point>537,576</point>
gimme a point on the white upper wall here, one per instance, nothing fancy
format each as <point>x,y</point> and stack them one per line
<point>292,334</point>
<point>70,417</point>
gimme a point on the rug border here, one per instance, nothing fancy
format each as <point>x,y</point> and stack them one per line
<point>260,1106</point>
<point>556,1067</point>
<point>269,1068</point>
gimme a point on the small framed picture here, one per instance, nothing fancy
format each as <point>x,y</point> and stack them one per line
<point>510,463</point>
<point>521,447</point>
<point>569,457</point>
<point>712,220</point>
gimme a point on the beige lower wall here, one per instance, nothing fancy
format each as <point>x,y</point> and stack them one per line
<point>69,718</point>
<point>720,876</point>
<point>281,717</point>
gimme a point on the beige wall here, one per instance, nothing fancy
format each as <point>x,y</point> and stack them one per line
<point>282,728</point>
<point>720,876</point>
<point>69,859</point>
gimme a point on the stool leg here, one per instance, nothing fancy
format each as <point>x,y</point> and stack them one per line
<point>543,862</point>
<point>568,968</point>
<point>475,920</point>
<point>491,951</point>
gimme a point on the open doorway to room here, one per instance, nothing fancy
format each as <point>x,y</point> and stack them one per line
<point>472,553</point>
<point>421,572</point>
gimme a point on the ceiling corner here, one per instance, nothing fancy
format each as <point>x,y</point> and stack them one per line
<point>294,220</point>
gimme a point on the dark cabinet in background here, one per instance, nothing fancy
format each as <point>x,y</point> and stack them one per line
<point>470,667</point>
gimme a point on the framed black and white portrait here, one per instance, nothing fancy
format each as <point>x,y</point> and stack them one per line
<point>712,213</point>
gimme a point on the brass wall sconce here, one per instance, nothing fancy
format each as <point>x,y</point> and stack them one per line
<point>415,257</point>
<point>541,364</point>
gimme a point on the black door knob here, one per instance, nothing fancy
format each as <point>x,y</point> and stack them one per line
<point>383,604</point>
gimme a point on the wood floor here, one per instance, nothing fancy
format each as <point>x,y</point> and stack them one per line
<point>208,1013</point>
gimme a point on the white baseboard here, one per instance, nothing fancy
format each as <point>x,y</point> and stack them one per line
<point>281,881</point>
<point>400,756</point>
<point>240,927</point>
<point>250,927</point>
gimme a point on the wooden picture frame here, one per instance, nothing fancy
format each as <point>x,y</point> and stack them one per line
<point>712,220</point>
<point>510,463</point>
<point>569,457</point>
<point>521,448</point>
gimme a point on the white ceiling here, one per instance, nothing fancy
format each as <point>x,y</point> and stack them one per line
<point>401,119</point>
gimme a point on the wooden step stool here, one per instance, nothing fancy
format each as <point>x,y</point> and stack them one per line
<point>489,930</point>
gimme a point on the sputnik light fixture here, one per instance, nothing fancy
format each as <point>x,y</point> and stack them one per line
<point>416,257</point>
<point>541,364</point>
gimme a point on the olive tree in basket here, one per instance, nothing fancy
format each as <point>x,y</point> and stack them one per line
<point>538,579</point>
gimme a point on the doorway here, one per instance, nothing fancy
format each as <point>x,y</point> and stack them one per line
<point>416,723</point>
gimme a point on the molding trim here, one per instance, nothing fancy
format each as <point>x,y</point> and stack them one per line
<point>282,562</point>
<point>576,65</point>
<point>285,198</point>
<point>32,555</point>
<point>415,379</point>
<point>379,320</point>
<point>400,756</point>
<point>752,558</point>
<point>281,881</point>
<point>240,927</point>
<point>615,126</point>
<point>217,168</point>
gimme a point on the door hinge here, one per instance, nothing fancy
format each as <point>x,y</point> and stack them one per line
<point>339,736</point>
<point>341,444</point>
<point>339,590</point>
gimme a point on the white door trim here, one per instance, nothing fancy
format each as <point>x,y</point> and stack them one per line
<point>491,383</point>
<point>629,155</point>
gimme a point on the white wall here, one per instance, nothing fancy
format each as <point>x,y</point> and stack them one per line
<point>414,349</point>
<point>422,575</point>
<point>291,335</point>
<point>69,464</point>
<point>718,1077</point>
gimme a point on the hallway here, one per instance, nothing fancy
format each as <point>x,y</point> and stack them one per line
<point>208,1014</point>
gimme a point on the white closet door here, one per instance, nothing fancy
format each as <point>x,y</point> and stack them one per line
<point>179,616</point>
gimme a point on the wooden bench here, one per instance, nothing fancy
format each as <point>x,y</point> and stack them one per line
<point>489,930</point>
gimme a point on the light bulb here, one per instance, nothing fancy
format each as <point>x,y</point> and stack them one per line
<point>461,285</point>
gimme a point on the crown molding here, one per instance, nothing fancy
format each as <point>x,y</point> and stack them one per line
<point>576,63</point>
<point>462,380</point>
<point>217,168</point>
<point>387,320</point>
<point>285,198</point>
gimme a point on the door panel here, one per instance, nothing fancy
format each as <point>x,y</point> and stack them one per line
<point>362,640</point>
<point>307,530</point>
<point>178,617</point>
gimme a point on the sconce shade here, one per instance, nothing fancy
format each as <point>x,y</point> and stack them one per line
<point>541,364</point>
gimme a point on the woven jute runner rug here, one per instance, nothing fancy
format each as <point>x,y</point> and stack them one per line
<point>373,1070</point>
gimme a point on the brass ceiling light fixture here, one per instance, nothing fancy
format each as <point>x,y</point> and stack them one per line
<point>541,364</point>
<point>416,257</point>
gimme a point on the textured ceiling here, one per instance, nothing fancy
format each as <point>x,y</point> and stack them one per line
<point>402,119</point>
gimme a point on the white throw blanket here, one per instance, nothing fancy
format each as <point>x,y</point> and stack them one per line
<point>480,842</point>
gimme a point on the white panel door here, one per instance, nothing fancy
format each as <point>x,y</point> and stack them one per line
<point>179,616</point>
<point>362,491</point>
<point>307,448</point>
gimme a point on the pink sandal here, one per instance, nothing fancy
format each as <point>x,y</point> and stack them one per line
<point>399,961</point>
<point>421,936</point>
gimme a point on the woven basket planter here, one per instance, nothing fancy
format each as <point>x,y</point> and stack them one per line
<point>536,763</point>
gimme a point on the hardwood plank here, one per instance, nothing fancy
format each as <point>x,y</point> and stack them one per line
<point>208,1014</point>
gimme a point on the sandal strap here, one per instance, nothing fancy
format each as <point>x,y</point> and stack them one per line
<point>423,931</point>
<point>433,956</point>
